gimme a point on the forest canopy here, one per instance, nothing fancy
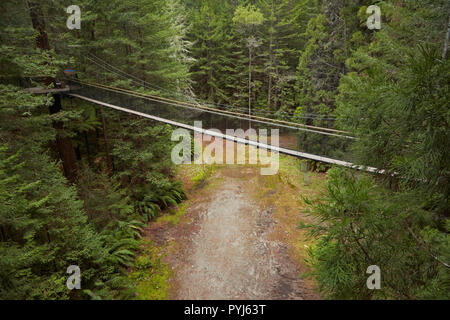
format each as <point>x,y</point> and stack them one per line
<point>79,183</point>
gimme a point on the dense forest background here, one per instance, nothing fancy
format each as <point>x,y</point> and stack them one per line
<point>78,183</point>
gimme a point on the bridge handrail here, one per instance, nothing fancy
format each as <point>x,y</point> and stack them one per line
<point>138,94</point>
<point>216,111</point>
<point>233,138</point>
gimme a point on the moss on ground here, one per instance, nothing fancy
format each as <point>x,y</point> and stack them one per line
<point>174,215</point>
<point>150,274</point>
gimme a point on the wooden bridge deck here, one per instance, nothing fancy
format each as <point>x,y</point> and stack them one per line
<point>39,90</point>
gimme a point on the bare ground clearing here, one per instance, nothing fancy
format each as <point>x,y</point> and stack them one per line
<point>237,238</point>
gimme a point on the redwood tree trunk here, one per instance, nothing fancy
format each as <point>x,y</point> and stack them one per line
<point>38,25</point>
<point>65,147</point>
<point>105,137</point>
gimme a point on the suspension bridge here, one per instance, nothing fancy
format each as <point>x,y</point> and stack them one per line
<point>326,145</point>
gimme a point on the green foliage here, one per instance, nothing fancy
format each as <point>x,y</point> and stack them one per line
<point>144,166</point>
<point>222,34</point>
<point>203,174</point>
<point>174,216</point>
<point>145,38</point>
<point>44,230</point>
<point>394,98</point>
<point>362,224</point>
<point>413,146</point>
<point>390,88</point>
<point>248,16</point>
<point>46,224</point>
<point>150,274</point>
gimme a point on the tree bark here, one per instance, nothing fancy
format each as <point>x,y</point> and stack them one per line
<point>269,93</point>
<point>447,38</point>
<point>271,59</point>
<point>86,140</point>
<point>249,86</point>
<point>105,137</point>
<point>38,25</point>
<point>65,147</point>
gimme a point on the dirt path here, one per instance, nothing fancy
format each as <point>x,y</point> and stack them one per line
<point>225,248</point>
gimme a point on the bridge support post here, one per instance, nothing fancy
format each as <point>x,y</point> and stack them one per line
<point>64,144</point>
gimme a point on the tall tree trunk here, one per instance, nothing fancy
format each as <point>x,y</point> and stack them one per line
<point>3,232</point>
<point>65,147</point>
<point>38,25</point>
<point>105,137</point>
<point>249,86</point>
<point>88,151</point>
<point>269,92</point>
<point>447,38</point>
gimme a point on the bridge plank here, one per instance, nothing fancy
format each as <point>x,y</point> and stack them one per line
<point>39,90</point>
